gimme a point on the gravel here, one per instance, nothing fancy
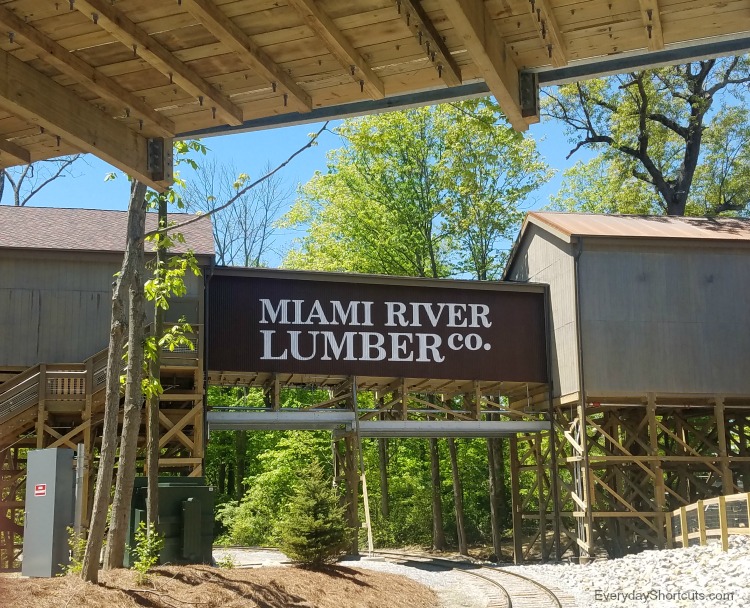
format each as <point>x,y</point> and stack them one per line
<point>673,578</point>
<point>704,577</point>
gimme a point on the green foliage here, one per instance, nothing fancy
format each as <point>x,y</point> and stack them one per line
<point>226,562</point>
<point>429,192</point>
<point>148,546</point>
<point>670,140</point>
<point>313,531</point>
<point>77,546</point>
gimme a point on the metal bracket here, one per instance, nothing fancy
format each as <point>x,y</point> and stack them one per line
<point>159,159</point>
<point>528,92</point>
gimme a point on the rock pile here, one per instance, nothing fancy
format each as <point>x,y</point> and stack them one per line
<point>698,576</point>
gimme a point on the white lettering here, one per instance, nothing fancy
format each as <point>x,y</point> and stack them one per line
<point>267,348</point>
<point>347,341</point>
<point>473,342</point>
<point>396,309</point>
<point>480,311</point>
<point>456,314</point>
<point>368,346</point>
<point>429,343</point>
<point>399,344</point>
<point>267,307</point>
<point>455,341</point>
<point>316,311</point>
<point>295,345</point>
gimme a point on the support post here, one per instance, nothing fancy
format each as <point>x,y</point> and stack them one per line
<point>684,527</point>
<point>723,523</point>
<point>701,522</point>
<point>41,415</point>
<point>516,502</point>
<point>659,491</point>
<point>727,483</point>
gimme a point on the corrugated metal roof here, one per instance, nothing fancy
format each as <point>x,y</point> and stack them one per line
<point>52,228</point>
<point>568,225</point>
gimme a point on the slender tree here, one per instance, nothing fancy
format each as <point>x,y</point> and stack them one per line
<point>27,181</point>
<point>118,332</point>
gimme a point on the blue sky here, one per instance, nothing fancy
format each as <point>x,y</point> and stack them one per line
<point>249,152</point>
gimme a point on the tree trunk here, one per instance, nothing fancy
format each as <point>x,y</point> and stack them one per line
<point>383,464</point>
<point>152,411</point>
<point>458,499</point>
<point>118,327</point>
<point>240,455</point>
<point>131,422</point>
<point>438,532</point>
<point>494,458</point>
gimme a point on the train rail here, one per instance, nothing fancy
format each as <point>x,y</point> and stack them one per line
<point>512,590</point>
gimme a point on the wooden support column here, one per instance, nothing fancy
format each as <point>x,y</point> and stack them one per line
<point>542,498</point>
<point>659,491</point>
<point>516,501</point>
<point>404,400</point>
<point>88,448</point>
<point>727,483</point>
<point>587,485</point>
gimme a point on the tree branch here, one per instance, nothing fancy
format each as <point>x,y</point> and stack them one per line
<point>244,190</point>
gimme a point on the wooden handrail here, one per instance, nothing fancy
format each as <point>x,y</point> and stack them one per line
<point>18,379</point>
<point>703,530</point>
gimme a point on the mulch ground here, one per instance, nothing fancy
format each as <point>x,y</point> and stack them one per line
<point>206,587</point>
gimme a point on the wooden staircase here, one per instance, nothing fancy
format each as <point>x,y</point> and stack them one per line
<point>62,405</point>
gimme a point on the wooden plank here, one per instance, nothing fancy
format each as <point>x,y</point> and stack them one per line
<point>16,152</point>
<point>70,64</point>
<point>27,93</point>
<point>485,45</point>
<point>684,527</point>
<point>652,23</point>
<point>723,523</point>
<point>549,31</point>
<point>701,511</point>
<point>123,29</point>
<point>421,26</point>
<point>231,35</point>
<point>320,23</point>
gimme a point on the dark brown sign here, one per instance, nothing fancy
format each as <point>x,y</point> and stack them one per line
<point>315,323</point>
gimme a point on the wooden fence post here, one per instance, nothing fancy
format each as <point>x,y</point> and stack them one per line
<point>723,523</point>
<point>683,527</point>
<point>701,522</point>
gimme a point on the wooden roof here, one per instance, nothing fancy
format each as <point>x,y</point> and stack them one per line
<point>107,76</point>
<point>90,230</point>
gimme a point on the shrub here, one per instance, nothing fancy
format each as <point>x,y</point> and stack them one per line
<point>313,531</point>
<point>148,546</point>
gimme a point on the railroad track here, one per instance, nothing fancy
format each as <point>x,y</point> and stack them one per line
<point>512,590</point>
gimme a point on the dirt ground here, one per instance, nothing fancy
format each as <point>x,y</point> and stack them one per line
<point>205,587</point>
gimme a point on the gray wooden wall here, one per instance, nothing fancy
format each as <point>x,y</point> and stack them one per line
<point>667,318</point>
<point>543,258</point>
<point>56,307</point>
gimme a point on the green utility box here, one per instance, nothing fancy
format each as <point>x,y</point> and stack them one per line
<point>186,519</point>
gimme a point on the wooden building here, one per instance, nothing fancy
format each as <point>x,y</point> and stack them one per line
<point>650,362</point>
<point>56,272</point>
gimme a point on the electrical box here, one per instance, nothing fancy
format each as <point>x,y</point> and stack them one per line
<point>186,519</point>
<point>49,511</point>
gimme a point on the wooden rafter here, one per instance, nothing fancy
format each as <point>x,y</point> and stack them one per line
<point>429,38</point>
<point>652,23</point>
<point>339,46</point>
<point>26,93</point>
<point>16,152</point>
<point>549,31</point>
<point>68,63</point>
<point>487,48</point>
<point>228,33</point>
<point>123,29</point>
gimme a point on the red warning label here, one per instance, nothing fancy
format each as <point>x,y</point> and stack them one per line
<point>40,489</point>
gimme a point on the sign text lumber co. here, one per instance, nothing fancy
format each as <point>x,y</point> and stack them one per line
<point>315,323</point>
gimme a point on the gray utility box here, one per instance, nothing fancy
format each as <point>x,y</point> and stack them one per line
<point>50,510</point>
<point>186,519</point>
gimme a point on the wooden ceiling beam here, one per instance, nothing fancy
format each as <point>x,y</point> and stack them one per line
<point>339,46</point>
<point>487,48</point>
<point>68,63</point>
<point>549,31</point>
<point>29,94</point>
<point>429,38</point>
<point>16,152</point>
<point>652,22</point>
<point>227,32</point>
<point>123,29</point>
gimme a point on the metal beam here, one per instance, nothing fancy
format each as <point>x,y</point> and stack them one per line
<point>674,55</point>
<point>449,428</point>
<point>305,420</point>
<point>347,110</point>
